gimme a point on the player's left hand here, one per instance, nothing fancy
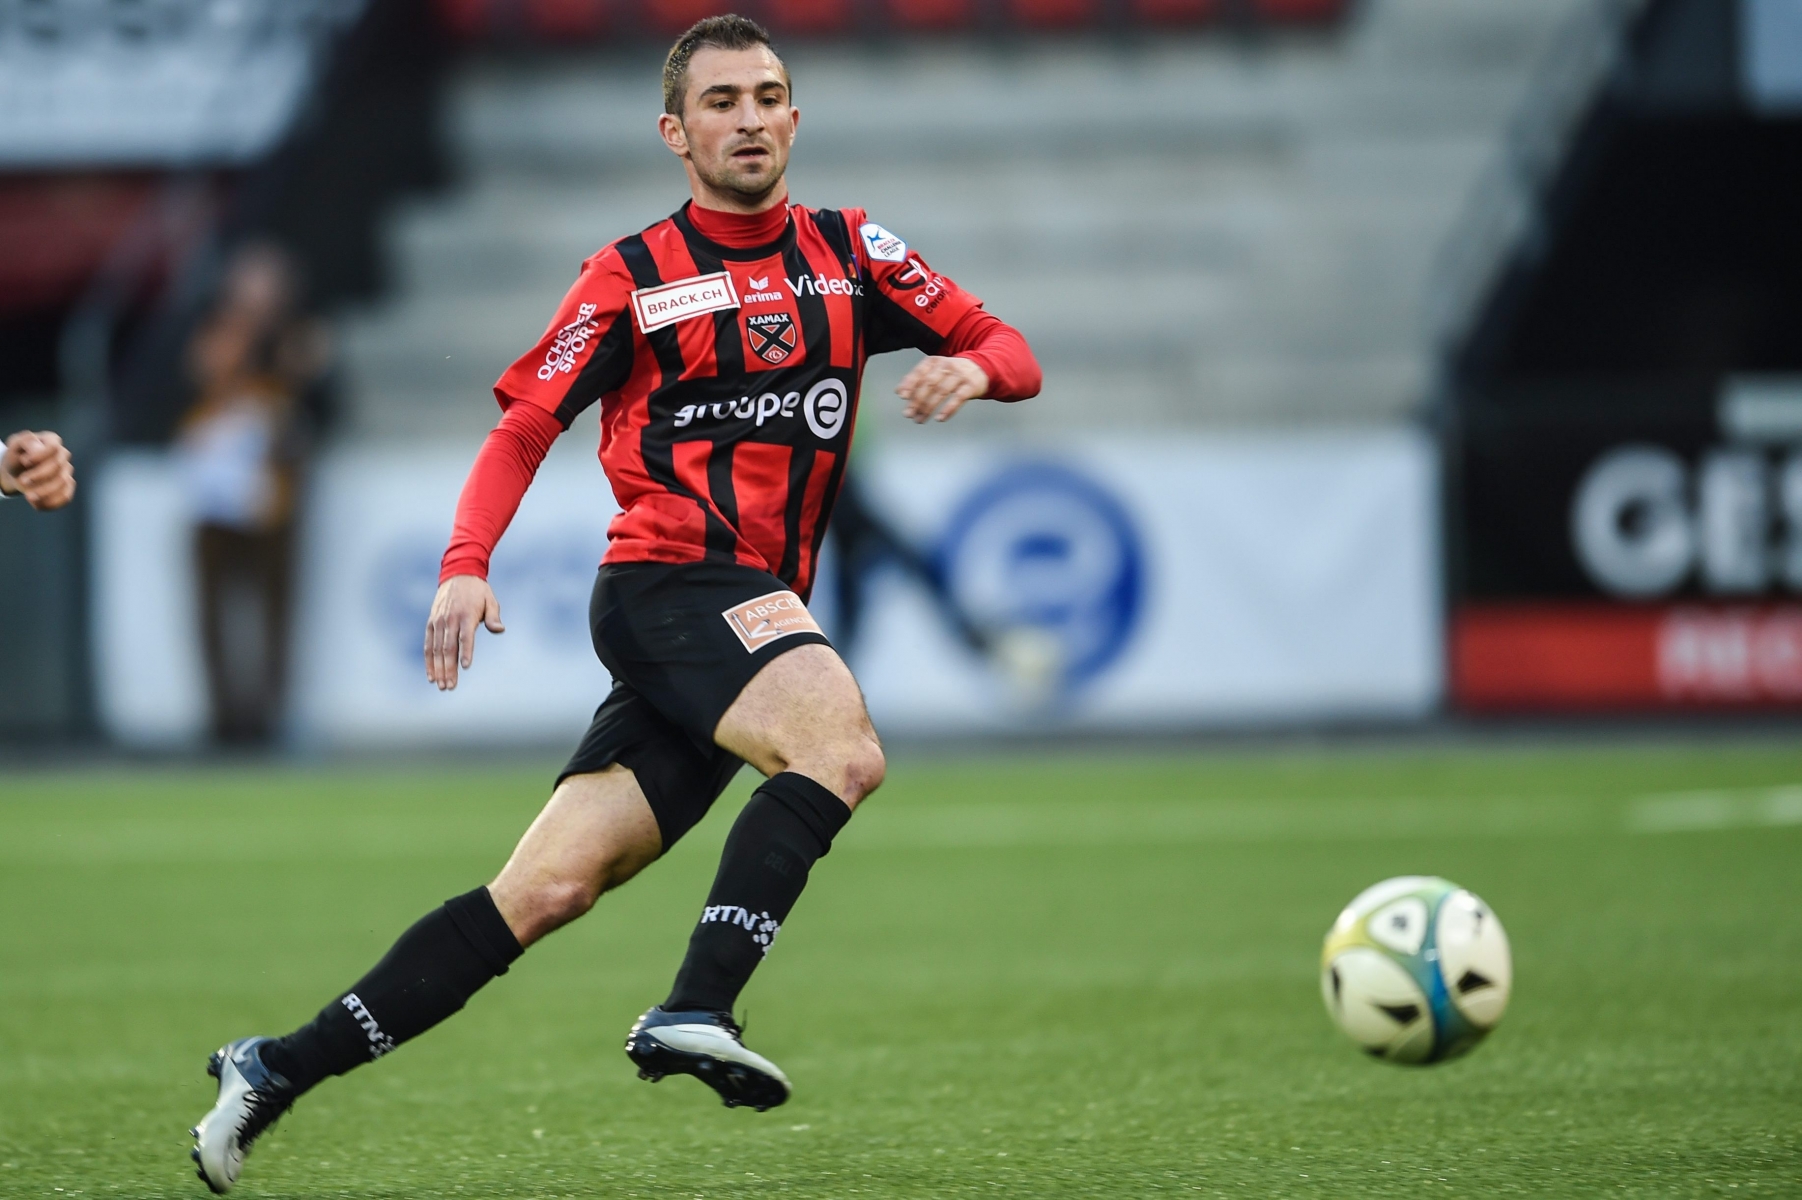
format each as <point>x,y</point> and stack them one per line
<point>942,385</point>
<point>36,465</point>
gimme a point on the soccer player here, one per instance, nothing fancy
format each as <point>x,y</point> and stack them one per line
<point>36,465</point>
<point>725,346</point>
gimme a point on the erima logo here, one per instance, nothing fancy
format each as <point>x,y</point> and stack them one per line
<point>880,244</point>
<point>760,291</point>
<point>824,285</point>
<point>571,340</point>
<point>762,926</point>
<point>656,307</point>
<point>379,1042</point>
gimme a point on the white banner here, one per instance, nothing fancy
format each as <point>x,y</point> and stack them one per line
<point>148,680</point>
<point>1116,585</point>
<point>1138,584</point>
<point>379,524</point>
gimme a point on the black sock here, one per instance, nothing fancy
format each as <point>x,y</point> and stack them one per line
<point>788,825</point>
<point>427,975</point>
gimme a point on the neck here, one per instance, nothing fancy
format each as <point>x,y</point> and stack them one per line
<point>730,202</point>
<point>739,230</point>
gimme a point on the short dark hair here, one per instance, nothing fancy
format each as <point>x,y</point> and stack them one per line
<point>728,32</point>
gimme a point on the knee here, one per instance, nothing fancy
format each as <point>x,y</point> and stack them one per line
<point>555,903</point>
<point>865,768</point>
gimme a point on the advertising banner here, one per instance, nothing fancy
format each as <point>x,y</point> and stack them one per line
<point>150,688</point>
<point>379,523</point>
<point>1629,549</point>
<point>1113,585</point>
<point>1141,584</point>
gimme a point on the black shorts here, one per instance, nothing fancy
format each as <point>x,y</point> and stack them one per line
<point>681,641</point>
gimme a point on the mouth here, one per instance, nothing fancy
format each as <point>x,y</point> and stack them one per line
<point>750,154</point>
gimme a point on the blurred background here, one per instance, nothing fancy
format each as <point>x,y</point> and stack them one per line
<point>1403,358</point>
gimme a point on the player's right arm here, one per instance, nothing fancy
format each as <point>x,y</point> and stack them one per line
<point>585,352</point>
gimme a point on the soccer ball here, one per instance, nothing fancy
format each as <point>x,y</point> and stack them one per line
<point>1416,970</point>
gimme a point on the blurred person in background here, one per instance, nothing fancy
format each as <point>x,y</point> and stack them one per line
<point>36,465</point>
<point>241,448</point>
<point>863,542</point>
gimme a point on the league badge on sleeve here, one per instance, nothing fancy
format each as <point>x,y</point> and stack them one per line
<point>880,244</point>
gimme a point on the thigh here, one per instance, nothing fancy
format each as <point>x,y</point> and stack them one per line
<point>804,712</point>
<point>689,637</point>
<point>678,777</point>
<point>596,832</point>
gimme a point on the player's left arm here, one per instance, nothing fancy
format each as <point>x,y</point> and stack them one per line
<point>970,353</point>
<point>984,357</point>
<point>37,466</point>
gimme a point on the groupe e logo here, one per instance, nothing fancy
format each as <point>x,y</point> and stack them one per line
<point>1041,548</point>
<point>1643,520</point>
<point>825,408</point>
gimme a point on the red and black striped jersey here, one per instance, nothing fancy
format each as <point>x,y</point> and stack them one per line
<point>728,378</point>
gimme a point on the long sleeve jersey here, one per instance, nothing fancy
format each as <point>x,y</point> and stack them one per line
<point>726,353</point>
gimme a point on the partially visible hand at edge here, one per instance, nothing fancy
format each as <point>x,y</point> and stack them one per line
<point>37,465</point>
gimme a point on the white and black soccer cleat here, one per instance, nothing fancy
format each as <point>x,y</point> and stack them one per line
<point>706,1045</point>
<point>251,1097</point>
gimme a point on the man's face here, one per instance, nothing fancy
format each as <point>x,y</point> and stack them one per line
<point>737,125</point>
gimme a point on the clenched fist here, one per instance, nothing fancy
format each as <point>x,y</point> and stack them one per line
<point>37,467</point>
<point>940,385</point>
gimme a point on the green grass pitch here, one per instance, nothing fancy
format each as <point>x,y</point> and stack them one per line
<point>1037,976</point>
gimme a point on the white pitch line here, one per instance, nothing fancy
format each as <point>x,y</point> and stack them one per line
<point>1737,808</point>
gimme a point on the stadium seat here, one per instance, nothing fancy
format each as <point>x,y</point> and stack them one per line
<point>930,14</point>
<point>810,16</point>
<point>1299,11</point>
<point>1053,14</point>
<point>673,16</point>
<point>1175,12</point>
<point>56,231</point>
<point>464,18</point>
<point>566,19</point>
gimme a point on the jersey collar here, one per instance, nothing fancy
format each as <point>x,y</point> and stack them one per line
<point>780,245</point>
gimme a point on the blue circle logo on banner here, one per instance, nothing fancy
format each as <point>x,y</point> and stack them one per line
<point>1042,547</point>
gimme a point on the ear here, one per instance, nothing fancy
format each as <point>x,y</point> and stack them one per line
<point>674,134</point>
